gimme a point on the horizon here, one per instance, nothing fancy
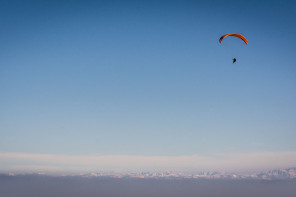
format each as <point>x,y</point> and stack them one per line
<point>267,175</point>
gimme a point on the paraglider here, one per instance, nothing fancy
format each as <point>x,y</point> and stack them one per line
<point>235,35</point>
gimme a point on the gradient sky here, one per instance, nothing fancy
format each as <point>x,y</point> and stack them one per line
<point>147,78</point>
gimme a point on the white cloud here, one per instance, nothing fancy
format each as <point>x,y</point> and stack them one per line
<point>28,162</point>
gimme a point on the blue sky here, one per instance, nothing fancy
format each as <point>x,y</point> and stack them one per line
<point>147,78</point>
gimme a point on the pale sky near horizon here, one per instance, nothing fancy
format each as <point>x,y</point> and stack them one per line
<point>147,78</point>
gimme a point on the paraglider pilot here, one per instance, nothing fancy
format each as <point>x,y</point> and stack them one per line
<point>234,60</point>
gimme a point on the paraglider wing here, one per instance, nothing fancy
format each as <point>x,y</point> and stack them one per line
<point>236,35</point>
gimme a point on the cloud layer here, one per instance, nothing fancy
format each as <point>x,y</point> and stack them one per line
<point>29,162</point>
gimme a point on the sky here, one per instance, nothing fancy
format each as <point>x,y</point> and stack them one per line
<point>147,79</point>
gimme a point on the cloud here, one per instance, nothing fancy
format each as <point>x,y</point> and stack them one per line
<point>28,162</point>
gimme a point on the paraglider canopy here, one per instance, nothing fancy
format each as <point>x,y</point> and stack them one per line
<point>235,35</point>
